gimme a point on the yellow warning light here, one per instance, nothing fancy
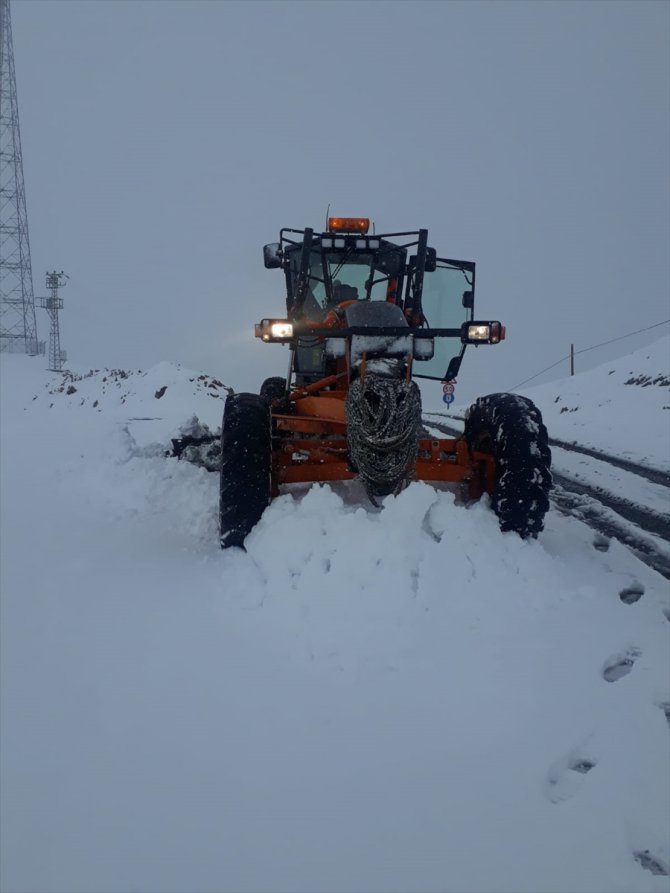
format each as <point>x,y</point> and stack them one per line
<point>348,224</point>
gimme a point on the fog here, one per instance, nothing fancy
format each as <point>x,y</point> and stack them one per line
<point>164,143</point>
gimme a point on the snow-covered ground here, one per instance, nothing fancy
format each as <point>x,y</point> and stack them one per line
<point>394,700</point>
<point>621,407</point>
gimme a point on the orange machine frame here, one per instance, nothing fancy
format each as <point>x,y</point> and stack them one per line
<point>310,445</point>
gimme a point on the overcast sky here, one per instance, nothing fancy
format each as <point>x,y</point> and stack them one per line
<point>165,142</point>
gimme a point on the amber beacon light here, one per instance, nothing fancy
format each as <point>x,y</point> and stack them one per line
<point>348,224</point>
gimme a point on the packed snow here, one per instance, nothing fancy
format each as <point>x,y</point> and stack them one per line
<point>401,699</point>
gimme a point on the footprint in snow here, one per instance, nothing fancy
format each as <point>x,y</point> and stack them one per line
<point>566,776</point>
<point>632,594</point>
<point>620,665</point>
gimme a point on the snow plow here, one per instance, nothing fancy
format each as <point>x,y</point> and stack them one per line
<point>367,315</point>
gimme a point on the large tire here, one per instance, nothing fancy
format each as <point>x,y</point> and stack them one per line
<point>273,387</point>
<point>245,466</point>
<point>510,427</point>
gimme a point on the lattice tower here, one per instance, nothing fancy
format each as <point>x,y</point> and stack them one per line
<point>52,305</point>
<point>18,326</point>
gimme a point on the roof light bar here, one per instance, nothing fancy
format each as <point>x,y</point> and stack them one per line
<point>362,243</point>
<point>348,224</point>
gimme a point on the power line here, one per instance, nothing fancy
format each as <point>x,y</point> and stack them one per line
<point>621,337</point>
<point>537,374</point>
<point>587,349</point>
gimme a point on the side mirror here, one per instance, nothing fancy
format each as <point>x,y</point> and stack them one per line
<point>431,260</point>
<point>454,368</point>
<point>468,299</point>
<point>272,256</point>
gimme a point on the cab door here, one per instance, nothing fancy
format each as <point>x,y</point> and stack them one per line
<point>447,302</point>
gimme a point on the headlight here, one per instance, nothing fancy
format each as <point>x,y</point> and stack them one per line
<point>482,333</point>
<point>281,330</point>
<point>478,333</point>
<point>274,330</point>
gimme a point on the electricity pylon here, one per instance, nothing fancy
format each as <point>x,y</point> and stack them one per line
<point>52,305</point>
<point>18,326</point>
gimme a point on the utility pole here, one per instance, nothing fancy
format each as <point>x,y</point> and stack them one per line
<point>52,305</point>
<point>572,359</point>
<point>18,326</point>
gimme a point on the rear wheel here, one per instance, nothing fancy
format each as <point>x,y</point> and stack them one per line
<point>273,387</point>
<point>245,466</point>
<point>510,427</point>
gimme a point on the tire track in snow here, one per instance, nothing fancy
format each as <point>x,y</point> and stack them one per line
<point>654,475</point>
<point>643,530</point>
<point>591,508</point>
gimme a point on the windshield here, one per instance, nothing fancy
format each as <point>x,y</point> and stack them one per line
<point>336,276</point>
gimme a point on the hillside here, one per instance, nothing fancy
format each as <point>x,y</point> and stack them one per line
<point>621,407</point>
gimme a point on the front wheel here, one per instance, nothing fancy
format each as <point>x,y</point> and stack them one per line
<point>510,427</point>
<point>245,466</point>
